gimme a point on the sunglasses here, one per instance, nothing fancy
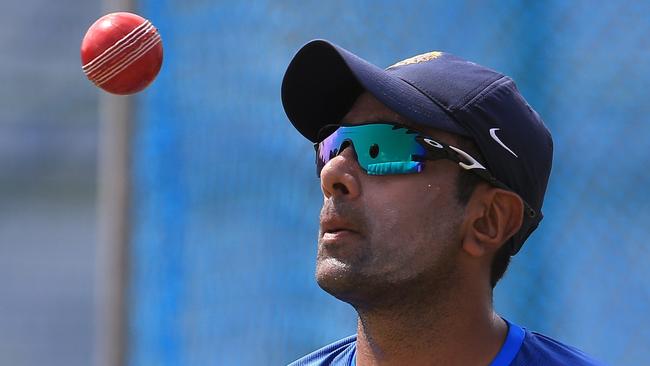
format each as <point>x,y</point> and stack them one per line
<point>390,148</point>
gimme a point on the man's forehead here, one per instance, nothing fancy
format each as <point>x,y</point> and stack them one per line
<point>368,109</point>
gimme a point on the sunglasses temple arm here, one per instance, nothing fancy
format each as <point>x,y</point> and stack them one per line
<point>480,170</point>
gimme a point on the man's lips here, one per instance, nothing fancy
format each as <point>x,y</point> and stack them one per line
<point>338,235</point>
<point>334,225</point>
<point>336,229</point>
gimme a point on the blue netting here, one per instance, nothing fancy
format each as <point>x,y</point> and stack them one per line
<point>225,200</point>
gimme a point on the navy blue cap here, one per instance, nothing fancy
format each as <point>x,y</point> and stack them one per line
<point>435,89</point>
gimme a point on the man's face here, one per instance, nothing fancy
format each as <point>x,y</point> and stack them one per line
<point>384,239</point>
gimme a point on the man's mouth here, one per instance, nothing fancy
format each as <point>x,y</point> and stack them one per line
<point>337,236</point>
<point>341,231</point>
<point>335,230</point>
<point>339,225</point>
<point>335,225</point>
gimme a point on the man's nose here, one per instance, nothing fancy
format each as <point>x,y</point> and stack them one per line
<point>340,176</point>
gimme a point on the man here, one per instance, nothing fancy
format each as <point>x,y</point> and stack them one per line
<point>433,173</point>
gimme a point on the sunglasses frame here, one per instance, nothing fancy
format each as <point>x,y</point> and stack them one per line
<point>434,150</point>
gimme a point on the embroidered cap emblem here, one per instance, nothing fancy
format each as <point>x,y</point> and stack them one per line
<point>417,59</point>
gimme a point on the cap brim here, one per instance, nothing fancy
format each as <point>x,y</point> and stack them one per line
<point>323,80</point>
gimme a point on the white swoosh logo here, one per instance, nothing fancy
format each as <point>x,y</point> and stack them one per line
<point>496,138</point>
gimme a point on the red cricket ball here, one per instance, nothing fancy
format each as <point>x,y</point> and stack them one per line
<point>121,53</point>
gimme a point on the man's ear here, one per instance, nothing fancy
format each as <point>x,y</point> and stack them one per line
<point>492,215</point>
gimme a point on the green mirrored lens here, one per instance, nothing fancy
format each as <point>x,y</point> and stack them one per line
<point>380,148</point>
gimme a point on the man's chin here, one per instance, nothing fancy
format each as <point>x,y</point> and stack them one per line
<point>339,280</point>
<point>332,270</point>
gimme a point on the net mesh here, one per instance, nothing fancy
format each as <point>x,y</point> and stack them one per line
<point>225,200</point>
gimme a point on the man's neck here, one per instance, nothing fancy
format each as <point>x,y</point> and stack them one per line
<point>460,331</point>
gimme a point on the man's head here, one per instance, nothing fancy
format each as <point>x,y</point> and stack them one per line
<point>385,234</point>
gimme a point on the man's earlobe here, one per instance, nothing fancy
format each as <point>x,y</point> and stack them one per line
<point>494,215</point>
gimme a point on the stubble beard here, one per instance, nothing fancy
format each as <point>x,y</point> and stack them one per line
<point>361,284</point>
